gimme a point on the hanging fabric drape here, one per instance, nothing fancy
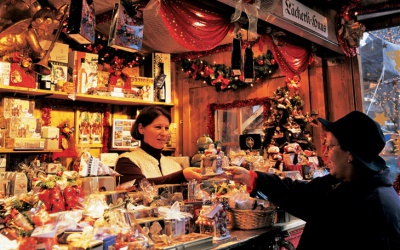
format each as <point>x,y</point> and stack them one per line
<point>292,59</point>
<point>190,24</point>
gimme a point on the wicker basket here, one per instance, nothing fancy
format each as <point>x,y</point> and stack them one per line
<point>252,219</point>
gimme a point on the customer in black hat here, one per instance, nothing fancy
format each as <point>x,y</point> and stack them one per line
<point>355,206</point>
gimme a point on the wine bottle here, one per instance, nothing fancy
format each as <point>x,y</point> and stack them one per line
<point>248,65</point>
<point>237,55</point>
<point>160,83</point>
<point>45,82</point>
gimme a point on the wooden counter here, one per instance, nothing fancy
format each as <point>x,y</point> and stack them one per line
<point>250,239</point>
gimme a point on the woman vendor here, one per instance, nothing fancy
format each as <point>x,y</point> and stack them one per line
<point>151,127</point>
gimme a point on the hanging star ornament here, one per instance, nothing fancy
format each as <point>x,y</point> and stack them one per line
<point>381,118</point>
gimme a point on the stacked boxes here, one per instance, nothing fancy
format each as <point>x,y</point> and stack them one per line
<point>20,129</point>
<point>51,136</point>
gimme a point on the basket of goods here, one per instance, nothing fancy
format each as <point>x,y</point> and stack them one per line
<point>248,213</point>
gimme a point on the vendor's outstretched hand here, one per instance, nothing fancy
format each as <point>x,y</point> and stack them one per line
<point>238,174</point>
<point>193,173</point>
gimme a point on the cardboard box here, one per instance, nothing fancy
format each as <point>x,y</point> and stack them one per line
<point>16,107</point>
<point>5,70</point>
<point>84,66</point>
<point>52,144</point>
<point>25,143</point>
<point>50,132</point>
<point>22,127</point>
<point>19,184</point>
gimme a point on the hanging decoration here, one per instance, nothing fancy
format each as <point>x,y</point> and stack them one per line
<point>221,76</point>
<point>348,32</point>
<point>184,26</point>
<point>292,59</point>
<point>248,68</point>
<point>81,27</point>
<point>126,31</point>
<point>236,58</point>
<point>251,8</point>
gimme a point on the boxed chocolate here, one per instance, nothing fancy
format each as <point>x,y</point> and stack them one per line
<point>25,143</point>
<point>16,107</point>
<point>22,127</point>
<point>5,69</point>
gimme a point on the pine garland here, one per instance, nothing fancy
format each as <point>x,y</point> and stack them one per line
<point>221,76</point>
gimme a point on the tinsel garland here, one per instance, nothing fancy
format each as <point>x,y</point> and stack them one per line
<point>221,77</point>
<point>106,132</point>
<point>265,102</point>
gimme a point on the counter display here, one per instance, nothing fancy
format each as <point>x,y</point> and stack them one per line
<point>152,218</point>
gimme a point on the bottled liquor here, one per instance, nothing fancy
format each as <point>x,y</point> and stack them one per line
<point>160,83</point>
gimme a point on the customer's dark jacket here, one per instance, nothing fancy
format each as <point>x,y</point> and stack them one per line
<point>363,214</point>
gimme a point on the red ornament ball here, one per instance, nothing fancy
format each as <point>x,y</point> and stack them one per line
<point>273,61</point>
<point>260,62</point>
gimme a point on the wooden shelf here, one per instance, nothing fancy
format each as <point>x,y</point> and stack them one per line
<point>39,93</point>
<point>12,151</point>
<point>129,149</point>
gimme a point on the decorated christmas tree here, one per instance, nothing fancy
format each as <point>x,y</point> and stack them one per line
<point>287,124</point>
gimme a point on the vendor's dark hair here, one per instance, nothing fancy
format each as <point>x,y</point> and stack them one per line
<point>147,116</point>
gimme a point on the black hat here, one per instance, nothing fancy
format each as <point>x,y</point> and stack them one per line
<point>361,136</point>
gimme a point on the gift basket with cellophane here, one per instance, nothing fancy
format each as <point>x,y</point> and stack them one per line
<point>249,213</point>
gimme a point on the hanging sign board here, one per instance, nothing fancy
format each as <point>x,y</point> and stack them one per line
<point>305,17</point>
